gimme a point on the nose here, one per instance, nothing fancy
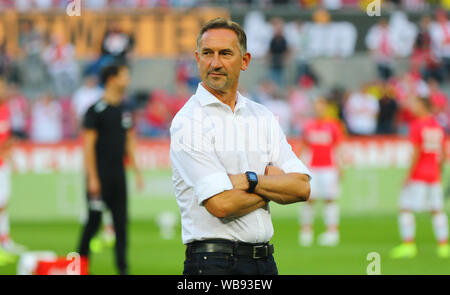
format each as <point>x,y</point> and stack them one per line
<point>216,62</point>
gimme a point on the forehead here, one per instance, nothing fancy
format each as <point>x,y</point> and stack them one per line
<point>219,38</point>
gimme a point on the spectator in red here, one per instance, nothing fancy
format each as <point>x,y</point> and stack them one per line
<point>179,98</point>
<point>186,71</point>
<point>157,115</point>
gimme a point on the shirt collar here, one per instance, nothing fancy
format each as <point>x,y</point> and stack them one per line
<point>206,98</point>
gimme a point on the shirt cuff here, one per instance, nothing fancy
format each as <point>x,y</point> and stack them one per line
<point>295,166</point>
<point>212,185</point>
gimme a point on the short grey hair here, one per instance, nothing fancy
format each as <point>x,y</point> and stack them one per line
<point>223,23</point>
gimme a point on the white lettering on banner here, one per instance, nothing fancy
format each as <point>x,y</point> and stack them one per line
<point>404,152</point>
<point>67,161</point>
<point>377,153</point>
<point>41,159</point>
<point>151,155</point>
<point>20,159</point>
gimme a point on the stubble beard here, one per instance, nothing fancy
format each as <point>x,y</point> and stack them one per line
<point>219,85</point>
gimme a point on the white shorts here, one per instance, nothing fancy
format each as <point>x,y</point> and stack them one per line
<point>421,196</point>
<point>5,185</point>
<point>324,183</point>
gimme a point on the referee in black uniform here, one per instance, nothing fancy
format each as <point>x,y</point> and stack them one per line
<point>108,139</point>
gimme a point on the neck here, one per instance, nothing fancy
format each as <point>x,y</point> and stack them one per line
<point>228,98</point>
<point>112,96</point>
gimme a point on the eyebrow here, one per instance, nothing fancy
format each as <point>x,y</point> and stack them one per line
<point>220,51</point>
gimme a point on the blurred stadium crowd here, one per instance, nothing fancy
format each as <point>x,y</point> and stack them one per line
<point>49,89</point>
<point>24,5</point>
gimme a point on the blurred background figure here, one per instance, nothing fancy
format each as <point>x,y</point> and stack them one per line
<point>300,51</point>
<point>280,108</point>
<point>388,108</point>
<point>46,120</point>
<point>59,57</point>
<point>361,111</point>
<point>440,34</point>
<point>422,190</point>
<point>33,73</point>
<point>186,72</point>
<point>258,33</point>
<point>301,108</point>
<point>323,137</point>
<point>85,96</point>
<point>8,248</point>
<point>19,107</point>
<point>424,57</point>
<point>117,45</point>
<point>379,41</point>
<point>278,52</point>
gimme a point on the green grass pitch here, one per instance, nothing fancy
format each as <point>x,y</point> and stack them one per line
<point>46,211</point>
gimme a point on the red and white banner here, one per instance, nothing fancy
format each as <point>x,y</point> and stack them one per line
<point>375,152</point>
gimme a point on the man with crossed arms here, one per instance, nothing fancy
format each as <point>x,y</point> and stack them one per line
<point>223,188</point>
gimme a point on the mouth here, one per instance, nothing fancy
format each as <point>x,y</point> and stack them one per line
<point>216,74</point>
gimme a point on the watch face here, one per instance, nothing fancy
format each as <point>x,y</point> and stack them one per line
<point>252,177</point>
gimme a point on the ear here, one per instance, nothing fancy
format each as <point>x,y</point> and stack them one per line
<point>197,58</point>
<point>246,61</point>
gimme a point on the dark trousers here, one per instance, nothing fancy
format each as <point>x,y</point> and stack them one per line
<point>227,264</point>
<point>114,196</point>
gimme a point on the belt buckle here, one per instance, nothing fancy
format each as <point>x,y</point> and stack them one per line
<point>255,248</point>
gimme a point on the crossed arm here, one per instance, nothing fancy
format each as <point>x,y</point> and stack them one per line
<point>274,185</point>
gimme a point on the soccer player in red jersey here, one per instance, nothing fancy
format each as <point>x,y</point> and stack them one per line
<point>423,188</point>
<point>5,182</point>
<point>322,137</point>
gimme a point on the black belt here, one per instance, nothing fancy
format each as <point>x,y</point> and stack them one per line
<point>255,251</point>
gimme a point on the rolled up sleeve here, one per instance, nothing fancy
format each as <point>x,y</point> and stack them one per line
<point>192,155</point>
<point>212,185</point>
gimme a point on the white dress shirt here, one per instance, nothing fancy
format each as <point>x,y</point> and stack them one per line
<point>208,142</point>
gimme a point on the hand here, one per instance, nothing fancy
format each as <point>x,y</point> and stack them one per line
<point>239,181</point>
<point>272,170</point>
<point>94,187</point>
<point>139,181</point>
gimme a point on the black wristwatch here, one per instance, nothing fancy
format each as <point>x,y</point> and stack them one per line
<point>252,181</point>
